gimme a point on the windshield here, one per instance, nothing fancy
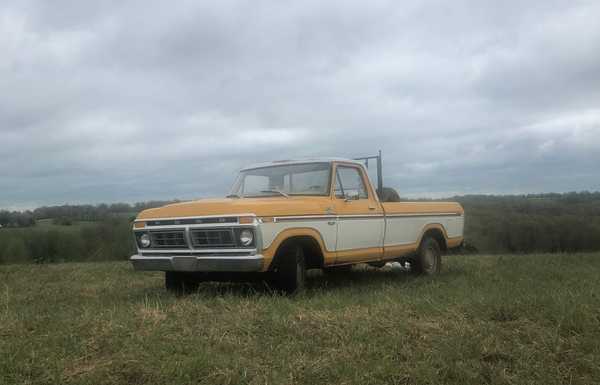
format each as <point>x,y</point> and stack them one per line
<point>290,179</point>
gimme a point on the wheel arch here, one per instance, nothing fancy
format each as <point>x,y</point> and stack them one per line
<point>437,232</point>
<point>308,239</point>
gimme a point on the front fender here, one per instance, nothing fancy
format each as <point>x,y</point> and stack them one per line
<point>270,252</point>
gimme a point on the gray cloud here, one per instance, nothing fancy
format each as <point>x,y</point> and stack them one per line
<point>127,101</point>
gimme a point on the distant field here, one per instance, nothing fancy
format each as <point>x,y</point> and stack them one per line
<point>49,224</point>
<point>79,241</point>
<point>531,319</point>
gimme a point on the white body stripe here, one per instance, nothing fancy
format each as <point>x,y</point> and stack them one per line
<point>360,232</point>
<point>349,232</point>
<point>401,230</point>
<point>328,232</point>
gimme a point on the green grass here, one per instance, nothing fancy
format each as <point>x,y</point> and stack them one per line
<point>49,224</point>
<point>485,320</point>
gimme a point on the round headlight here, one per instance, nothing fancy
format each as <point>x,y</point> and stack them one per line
<point>246,237</point>
<point>145,240</point>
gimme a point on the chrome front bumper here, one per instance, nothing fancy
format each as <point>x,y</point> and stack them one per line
<point>246,263</point>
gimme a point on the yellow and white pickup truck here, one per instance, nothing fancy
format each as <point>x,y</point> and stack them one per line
<point>283,218</point>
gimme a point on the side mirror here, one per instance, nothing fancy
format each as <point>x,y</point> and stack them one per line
<point>353,196</point>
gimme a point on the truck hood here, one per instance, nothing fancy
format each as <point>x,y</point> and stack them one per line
<point>268,206</point>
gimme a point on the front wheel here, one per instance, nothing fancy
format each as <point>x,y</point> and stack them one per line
<point>291,270</point>
<point>429,258</point>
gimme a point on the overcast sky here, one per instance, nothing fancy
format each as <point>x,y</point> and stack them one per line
<point>105,101</point>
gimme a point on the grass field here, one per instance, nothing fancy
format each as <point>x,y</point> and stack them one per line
<point>531,319</point>
<point>48,224</point>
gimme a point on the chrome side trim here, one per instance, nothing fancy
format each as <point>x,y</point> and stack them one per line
<point>398,244</point>
<point>343,217</point>
<point>326,217</point>
<point>304,218</point>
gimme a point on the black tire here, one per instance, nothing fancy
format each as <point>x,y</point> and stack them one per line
<point>180,283</point>
<point>428,260</point>
<point>291,270</point>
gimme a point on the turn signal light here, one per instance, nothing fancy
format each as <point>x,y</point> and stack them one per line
<point>246,220</point>
<point>139,225</point>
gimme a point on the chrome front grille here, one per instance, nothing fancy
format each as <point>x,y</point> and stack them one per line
<point>168,239</point>
<point>212,238</point>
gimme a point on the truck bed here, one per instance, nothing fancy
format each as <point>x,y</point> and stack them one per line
<point>406,222</point>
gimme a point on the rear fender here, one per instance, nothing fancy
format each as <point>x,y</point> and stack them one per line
<point>438,232</point>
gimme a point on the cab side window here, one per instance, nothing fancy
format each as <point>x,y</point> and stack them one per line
<point>349,183</point>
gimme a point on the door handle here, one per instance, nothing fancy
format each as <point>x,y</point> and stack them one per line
<point>331,223</point>
<point>372,207</point>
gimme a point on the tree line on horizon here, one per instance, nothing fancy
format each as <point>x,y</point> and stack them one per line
<point>568,222</point>
<point>75,213</point>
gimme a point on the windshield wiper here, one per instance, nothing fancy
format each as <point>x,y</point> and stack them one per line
<point>232,196</point>
<point>275,191</point>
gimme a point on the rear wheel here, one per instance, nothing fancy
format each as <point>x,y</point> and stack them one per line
<point>291,270</point>
<point>180,282</point>
<point>429,258</point>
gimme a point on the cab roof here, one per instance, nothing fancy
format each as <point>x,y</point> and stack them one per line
<point>301,161</point>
